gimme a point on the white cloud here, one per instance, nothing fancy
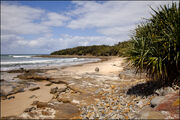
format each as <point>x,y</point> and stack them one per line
<point>18,19</point>
<point>117,31</point>
<point>55,19</point>
<point>112,17</point>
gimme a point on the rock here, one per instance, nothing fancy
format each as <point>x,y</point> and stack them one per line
<point>1,80</point>
<point>48,84</point>
<point>33,96</point>
<point>164,91</point>
<point>46,113</point>
<point>35,102</point>
<point>29,109</point>
<point>21,69</point>
<point>41,104</point>
<point>54,90</point>
<point>64,99</point>
<point>58,81</point>
<point>6,90</point>
<point>145,109</point>
<point>168,90</point>
<point>66,111</point>
<point>152,115</point>
<point>32,76</point>
<point>171,104</point>
<point>156,100</point>
<point>97,69</point>
<point>34,88</point>
<point>62,89</point>
<point>11,97</point>
<point>3,97</point>
<point>140,104</point>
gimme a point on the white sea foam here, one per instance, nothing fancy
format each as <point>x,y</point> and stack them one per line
<point>26,62</point>
<point>22,56</point>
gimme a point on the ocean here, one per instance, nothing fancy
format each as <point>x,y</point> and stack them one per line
<point>27,61</point>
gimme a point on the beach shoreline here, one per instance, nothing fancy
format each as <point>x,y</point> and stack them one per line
<point>78,92</point>
<point>7,108</point>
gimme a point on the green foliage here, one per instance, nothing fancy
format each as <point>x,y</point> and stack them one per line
<point>156,44</point>
<point>97,50</point>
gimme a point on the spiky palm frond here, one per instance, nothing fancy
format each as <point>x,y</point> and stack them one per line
<point>157,44</point>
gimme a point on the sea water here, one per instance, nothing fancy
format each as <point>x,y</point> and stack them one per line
<point>15,61</point>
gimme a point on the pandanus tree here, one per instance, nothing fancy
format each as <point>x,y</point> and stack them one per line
<point>156,44</point>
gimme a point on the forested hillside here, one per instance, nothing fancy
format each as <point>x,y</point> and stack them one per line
<point>120,49</point>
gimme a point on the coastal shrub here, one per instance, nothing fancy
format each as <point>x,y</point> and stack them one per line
<point>156,44</point>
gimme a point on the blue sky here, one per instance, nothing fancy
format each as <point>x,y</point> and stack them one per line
<point>41,27</point>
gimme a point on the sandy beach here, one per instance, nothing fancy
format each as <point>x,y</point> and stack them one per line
<point>22,100</point>
<point>67,92</point>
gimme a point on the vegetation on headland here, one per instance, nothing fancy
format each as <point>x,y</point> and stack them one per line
<point>120,49</point>
<point>156,45</point>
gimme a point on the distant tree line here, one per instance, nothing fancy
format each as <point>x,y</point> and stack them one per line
<point>120,49</point>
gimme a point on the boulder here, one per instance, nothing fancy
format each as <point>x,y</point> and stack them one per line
<point>156,100</point>
<point>97,69</point>
<point>151,115</point>
<point>54,90</point>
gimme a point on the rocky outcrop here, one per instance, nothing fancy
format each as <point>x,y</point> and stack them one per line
<point>170,106</point>
<point>156,101</point>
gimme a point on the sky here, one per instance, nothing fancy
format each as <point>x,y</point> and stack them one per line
<point>41,27</point>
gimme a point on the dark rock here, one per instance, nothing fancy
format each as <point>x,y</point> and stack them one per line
<point>97,69</point>
<point>54,90</point>
<point>41,104</point>
<point>58,81</point>
<point>21,69</point>
<point>1,80</point>
<point>48,84</point>
<point>29,109</point>
<point>11,97</point>
<point>34,88</point>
